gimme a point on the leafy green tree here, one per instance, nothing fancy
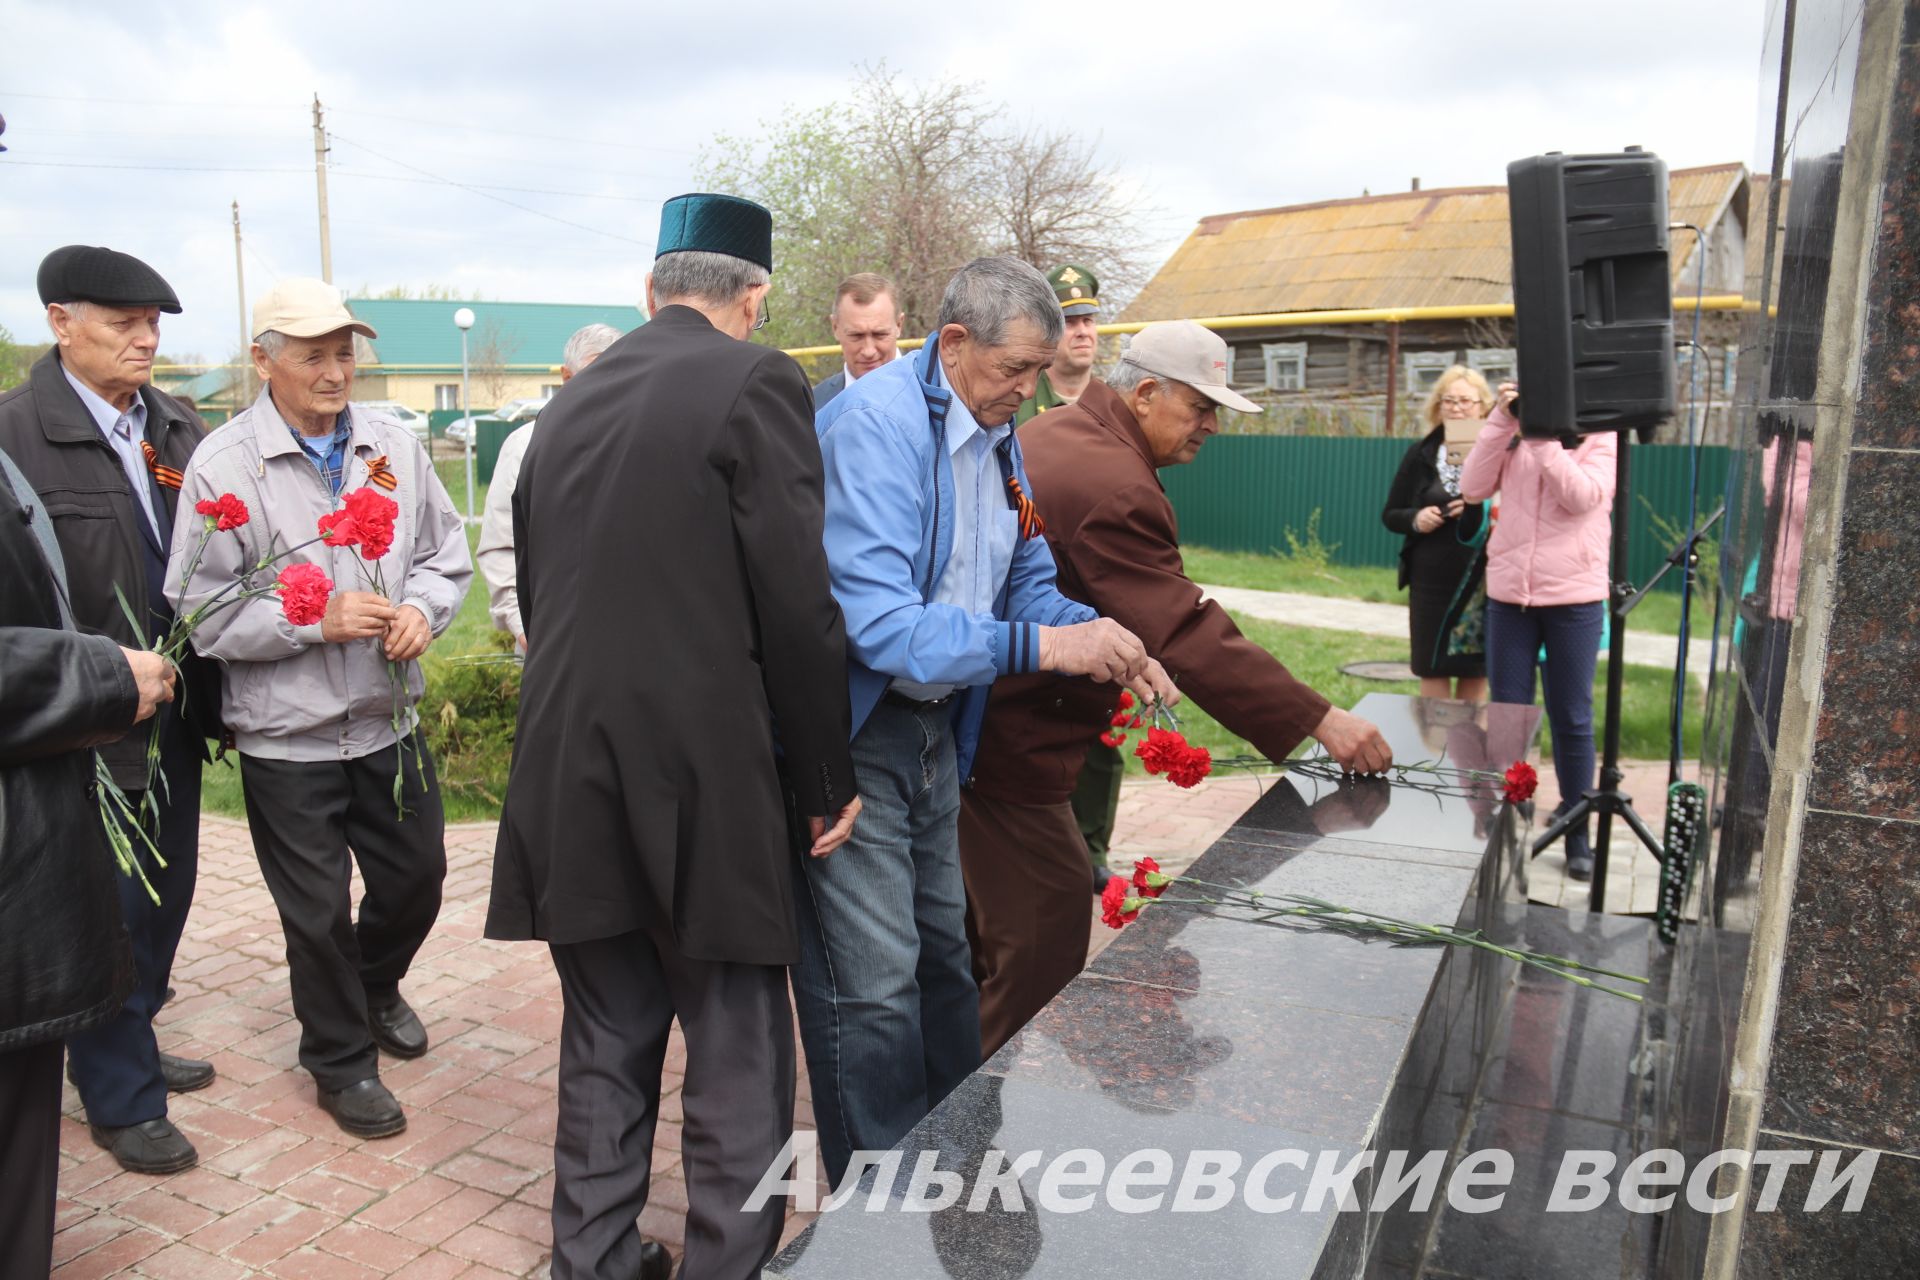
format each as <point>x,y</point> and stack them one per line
<point>16,358</point>
<point>912,180</point>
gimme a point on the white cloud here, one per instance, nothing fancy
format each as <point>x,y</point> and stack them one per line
<point>1235,105</point>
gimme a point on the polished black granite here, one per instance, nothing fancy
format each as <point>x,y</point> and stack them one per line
<point>1848,1025</point>
<point>1200,1028</point>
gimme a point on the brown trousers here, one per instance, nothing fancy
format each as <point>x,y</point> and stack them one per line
<point>1029,911</point>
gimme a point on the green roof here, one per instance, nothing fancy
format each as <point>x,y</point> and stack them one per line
<point>419,333</point>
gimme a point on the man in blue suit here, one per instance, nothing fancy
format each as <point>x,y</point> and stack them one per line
<point>867,322</point>
<point>935,554</point>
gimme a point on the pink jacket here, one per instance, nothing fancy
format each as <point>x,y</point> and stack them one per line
<point>1549,545</point>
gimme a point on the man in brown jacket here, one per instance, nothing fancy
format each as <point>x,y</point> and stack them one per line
<point>1114,540</point>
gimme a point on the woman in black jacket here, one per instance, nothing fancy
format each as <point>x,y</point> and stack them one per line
<point>1443,540</point>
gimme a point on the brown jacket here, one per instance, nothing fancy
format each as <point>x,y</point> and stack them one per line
<point>1117,546</point>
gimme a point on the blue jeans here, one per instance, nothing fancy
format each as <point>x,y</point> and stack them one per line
<point>889,1013</point>
<point>1571,635</point>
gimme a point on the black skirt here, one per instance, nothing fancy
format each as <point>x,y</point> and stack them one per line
<point>1436,566</point>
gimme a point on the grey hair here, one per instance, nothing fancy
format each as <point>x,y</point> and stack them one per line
<point>988,293</point>
<point>713,278</point>
<point>587,342</point>
<point>77,309</point>
<point>1127,375</point>
<point>271,341</point>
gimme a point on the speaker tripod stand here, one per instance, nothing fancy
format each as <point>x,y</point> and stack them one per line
<point>1608,801</point>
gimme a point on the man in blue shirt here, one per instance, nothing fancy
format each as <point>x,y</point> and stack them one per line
<point>946,584</point>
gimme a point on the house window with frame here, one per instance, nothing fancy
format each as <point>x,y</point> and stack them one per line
<point>446,395</point>
<point>1495,364</point>
<point>1285,364</point>
<point>1423,369</point>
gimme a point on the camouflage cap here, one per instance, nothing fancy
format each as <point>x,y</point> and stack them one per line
<point>1077,289</point>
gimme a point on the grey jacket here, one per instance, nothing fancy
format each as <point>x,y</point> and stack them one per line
<point>287,694</point>
<point>827,388</point>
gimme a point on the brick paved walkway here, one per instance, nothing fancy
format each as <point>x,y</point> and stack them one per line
<point>464,1192</point>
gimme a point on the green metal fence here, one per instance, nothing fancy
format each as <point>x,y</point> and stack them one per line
<point>1244,492</point>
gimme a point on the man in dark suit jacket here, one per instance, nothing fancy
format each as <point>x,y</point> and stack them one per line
<point>1113,537</point>
<point>105,451</point>
<point>667,528</point>
<point>65,965</point>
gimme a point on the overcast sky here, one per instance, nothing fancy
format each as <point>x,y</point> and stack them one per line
<point>135,126</point>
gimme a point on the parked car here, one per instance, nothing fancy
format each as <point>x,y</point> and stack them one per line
<point>522,410</point>
<point>412,419</point>
<point>458,429</point>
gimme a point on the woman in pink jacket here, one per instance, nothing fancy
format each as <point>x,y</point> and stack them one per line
<point>1547,583</point>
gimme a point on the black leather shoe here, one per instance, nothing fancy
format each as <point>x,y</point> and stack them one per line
<point>184,1075</point>
<point>396,1028</point>
<point>655,1262</point>
<point>152,1146</point>
<point>1100,877</point>
<point>365,1109</point>
<point>1580,866</point>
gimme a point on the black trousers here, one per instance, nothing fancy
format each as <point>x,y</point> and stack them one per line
<point>306,818</point>
<point>117,1064</point>
<point>621,995</point>
<point>29,1158</point>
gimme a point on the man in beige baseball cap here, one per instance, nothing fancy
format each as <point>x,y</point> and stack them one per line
<point>1111,530</point>
<point>305,309</point>
<point>334,767</point>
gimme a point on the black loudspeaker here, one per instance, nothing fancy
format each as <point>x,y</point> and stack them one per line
<point>1592,292</point>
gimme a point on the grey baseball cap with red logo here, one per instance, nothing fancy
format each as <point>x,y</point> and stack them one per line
<point>1182,351</point>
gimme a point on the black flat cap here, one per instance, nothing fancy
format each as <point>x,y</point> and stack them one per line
<point>85,273</point>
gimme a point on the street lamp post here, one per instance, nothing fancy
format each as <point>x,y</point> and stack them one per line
<point>463,321</point>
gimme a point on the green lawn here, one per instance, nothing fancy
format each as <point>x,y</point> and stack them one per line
<point>1315,656</point>
<point>1658,614</point>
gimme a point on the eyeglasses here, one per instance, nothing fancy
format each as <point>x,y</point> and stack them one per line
<point>765,315</point>
<point>1461,402</point>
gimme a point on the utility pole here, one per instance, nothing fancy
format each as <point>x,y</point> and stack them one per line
<point>242,383</point>
<point>320,185</point>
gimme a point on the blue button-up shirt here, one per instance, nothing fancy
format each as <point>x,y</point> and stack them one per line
<point>985,528</point>
<point>328,454</point>
<point>123,433</point>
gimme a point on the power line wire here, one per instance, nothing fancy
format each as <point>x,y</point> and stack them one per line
<point>492,131</point>
<point>156,102</point>
<point>488,195</point>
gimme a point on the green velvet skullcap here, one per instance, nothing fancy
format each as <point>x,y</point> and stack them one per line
<point>705,223</point>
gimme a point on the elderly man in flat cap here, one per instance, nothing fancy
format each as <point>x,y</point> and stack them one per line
<point>644,837</point>
<point>313,708</point>
<point>1112,533</point>
<point>104,450</point>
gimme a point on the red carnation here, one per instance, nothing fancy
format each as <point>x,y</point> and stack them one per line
<point>222,513</point>
<point>1126,700</point>
<point>1148,882</point>
<point>1113,904</point>
<point>1162,750</point>
<point>303,589</point>
<point>373,514</point>
<point>337,529</point>
<point>1521,781</point>
<point>1119,719</point>
<point>1113,737</point>
<point>1190,768</point>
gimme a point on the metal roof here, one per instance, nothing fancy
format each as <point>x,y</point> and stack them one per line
<point>417,335</point>
<point>1410,249</point>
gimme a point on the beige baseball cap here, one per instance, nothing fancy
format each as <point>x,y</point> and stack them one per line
<point>305,309</point>
<point>1183,351</point>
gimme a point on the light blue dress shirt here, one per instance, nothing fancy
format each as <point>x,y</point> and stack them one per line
<point>123,432</point>
<point>985,528</point>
